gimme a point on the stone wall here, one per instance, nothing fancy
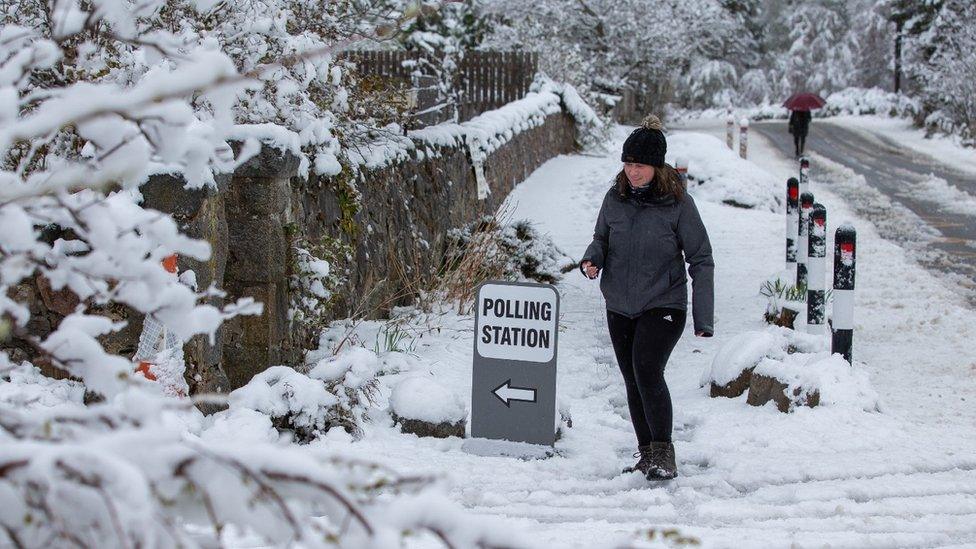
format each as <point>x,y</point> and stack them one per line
<point>393,221</point>
<point>404,212</point>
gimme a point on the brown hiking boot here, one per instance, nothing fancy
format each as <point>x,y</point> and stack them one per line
<point>644,461</point>
<point>662,465</point>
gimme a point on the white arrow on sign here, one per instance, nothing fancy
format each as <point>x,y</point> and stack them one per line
<point>506,393</point>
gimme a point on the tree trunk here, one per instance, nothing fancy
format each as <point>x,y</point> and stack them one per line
<point>898,34</point>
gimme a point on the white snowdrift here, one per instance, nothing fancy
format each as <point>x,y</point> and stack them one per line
<point>424,399</point>
<point>721,176</point>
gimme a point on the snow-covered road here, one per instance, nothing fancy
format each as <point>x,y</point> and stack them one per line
<point>937,192</point>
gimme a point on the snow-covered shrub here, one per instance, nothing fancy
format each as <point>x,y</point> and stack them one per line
<point>314,283</point>
<point>857,101</point>
<point>754,88</point>
<point>293,401</point>
<point>710,82</point>
<point>489,249</point>
<point>337,392</point>
<point>531,254</point>
<point>351,377</point>
<point>784,301</point>
<point>121,475</point>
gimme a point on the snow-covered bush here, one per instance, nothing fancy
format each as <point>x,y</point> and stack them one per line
<point>126,474</point>
<point>313,285</point>
<point>944,69</point>
<point>784,301</point>
<point>532,255</point>
<point>336,392</point>
<point>857,101</point>
<point>489,249</point>
<point>710,82</point>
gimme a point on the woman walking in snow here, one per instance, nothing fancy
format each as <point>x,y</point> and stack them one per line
<point>647,225</point>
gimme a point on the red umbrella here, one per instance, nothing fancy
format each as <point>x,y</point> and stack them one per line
<point>804,102</point>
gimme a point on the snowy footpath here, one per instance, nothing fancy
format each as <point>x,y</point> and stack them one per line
<point>899,474</point>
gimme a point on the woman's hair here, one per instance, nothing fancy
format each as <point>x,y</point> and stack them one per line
<point>666,182</point>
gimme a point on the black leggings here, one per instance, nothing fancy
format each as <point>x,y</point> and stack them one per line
<point>799,140</point>
<point>643,346</point>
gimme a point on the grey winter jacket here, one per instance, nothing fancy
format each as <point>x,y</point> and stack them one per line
<point>639,247</point>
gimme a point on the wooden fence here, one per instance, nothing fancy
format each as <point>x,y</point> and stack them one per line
<point>484,80</point>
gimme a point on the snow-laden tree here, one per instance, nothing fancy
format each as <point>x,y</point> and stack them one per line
<point>819,58</point>
<point>95,97</point>
<point>910,18</point>
<point>441,38</point>
<point>947,76</point>
<point>652,47</point>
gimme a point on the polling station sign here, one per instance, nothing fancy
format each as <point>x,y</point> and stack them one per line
<point>513,390</point>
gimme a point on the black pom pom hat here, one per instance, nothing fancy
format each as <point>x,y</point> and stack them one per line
<point>646,144</point>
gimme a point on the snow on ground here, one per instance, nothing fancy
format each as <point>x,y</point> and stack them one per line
<point>840,475</point>
<point>949,197</point>
<point>834,476</point>
<point>945,149</point>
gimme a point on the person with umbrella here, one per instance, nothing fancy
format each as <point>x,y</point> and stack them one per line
<point>800,105</point>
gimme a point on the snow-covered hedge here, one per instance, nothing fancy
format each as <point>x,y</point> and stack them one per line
<point>856,101</point>
<point>148,471</point>
<point>515,251</point>
<point>848,101</point>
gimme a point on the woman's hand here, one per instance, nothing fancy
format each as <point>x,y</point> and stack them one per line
<point>701,333</point>
<point>589,269</point>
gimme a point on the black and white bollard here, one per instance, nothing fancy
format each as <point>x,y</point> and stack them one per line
<point>845,254</point>
<point>792,221</point>
<point>743,137</point>
<point>681,166</point>
<point>804,174</point>
<point>730,131</point>
<point>816,268</point>
<point>806,206</point>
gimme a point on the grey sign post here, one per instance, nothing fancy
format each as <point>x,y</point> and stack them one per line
<point>513,390</point>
